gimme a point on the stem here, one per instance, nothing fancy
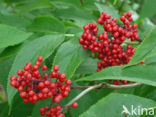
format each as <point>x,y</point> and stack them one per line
<point>90,88</point>
<point>69,35</point>
<point>110,86</point>
<point>131,43</point>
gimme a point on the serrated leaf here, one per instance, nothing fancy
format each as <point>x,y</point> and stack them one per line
<point>144,48</point>
<point>80,17</point>
<point>69,56</point>
<point>43,46</point>
<point>10,36</point>
<point>88,66</point>
<point>46,24</point>
<point>112,106</point>
<point>139,73</point>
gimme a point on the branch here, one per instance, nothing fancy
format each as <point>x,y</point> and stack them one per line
<point>101,85</point>
<point>110,86</point>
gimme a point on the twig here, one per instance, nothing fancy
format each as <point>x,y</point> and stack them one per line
<point>106,85</point>
<point>110,86</point>
<point>69,35</point>
<point>101,85</point>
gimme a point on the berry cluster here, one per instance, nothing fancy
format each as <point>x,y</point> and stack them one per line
<point>51,111</point>
<point>54,111</point>
<point>108,45</point>
<point>34,86</point>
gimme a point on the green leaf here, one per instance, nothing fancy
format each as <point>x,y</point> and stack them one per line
<point>147,26</point>
<point>108,8</point>
<point>10,36</point>
<point>69,56</point>
<point>138,73</point>
<point>72,28</point>
<point>34,5</point>
<point>144,48</point>
<point>43,46</point>
<point>9,52</point>
<point>112,105</point>
<point>4,71</point>
<point>46,24</point>
<point>14,20</point>
<point>88,66</point>
<point>80,17</point>
<point>148,8</point>
<point>150,59</point>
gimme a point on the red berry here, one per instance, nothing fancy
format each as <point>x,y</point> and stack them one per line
<point>46,83</point>
<point>44,67</point>
<point>53,74</point>
<point>12,78</point>
<point>23,94</point>
<point>40,58</point>
<point>62,76</point>
<point>74,105</point>
<point>35,67</point>
<point>56,68</point>
<point>41,85</point>
<point>68,82</point>
<point>20,72</point>
<point>45,90</point>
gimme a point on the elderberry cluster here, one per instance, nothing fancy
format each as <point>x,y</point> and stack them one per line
<point>34,85</point>
<point>108,45</point>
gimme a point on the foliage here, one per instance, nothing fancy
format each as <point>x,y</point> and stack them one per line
<point>51,28</point>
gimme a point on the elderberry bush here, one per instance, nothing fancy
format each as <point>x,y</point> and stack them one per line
<point>77,58</point>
